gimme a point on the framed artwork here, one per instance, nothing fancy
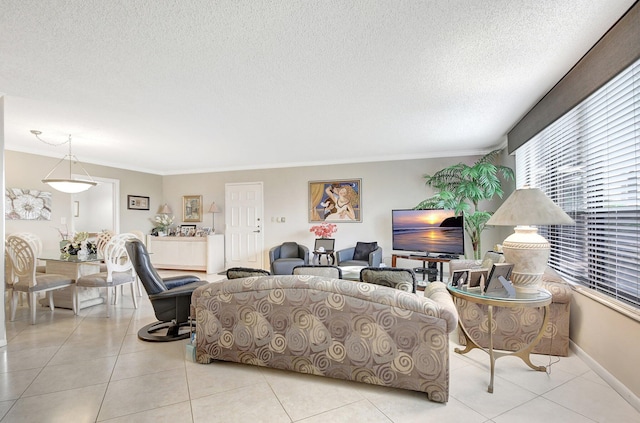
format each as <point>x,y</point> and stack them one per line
<point>137,202</point>
<point>27,204</point>
<point>335,201</point>
<point>192,208</point>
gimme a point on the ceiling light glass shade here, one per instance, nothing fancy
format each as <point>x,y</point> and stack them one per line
<point>70,186</point>
<point>526,249</point>
<point>67,185</point>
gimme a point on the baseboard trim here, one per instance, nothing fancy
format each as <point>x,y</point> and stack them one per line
<point>617,386</point>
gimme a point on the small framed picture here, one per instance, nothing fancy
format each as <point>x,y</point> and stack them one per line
<point>478,277</point>
<point>499,283</point>
<point>137,202</point>
<point>187,230</point>
<point>192,208</point>
<point>459,278</point>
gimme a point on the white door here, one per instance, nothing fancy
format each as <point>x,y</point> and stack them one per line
<point>244,241</point>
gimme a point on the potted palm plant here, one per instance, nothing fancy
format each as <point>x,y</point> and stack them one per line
<point>461,187</point>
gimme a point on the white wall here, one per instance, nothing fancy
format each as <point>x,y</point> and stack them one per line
<point>385,186</point>
<point>24,170</point>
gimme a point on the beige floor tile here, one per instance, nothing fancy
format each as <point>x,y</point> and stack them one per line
<point>165,356</point>
<point>76,405</point>
<point>594,377</point>
<point>409,406</point>
<point>594,400</point>
<point>175,413</point>
<point>306,395</point>
<point>33,358</point>
<point>469,385</point>
<point>541,410</point>
<point>144,393</point>
<point>251,404</point>
<point>516,371</point>
<point>4,407</point>
<point>13,384</point>
<point>69,354</point>
<point>220,376</point>
<point>71,376</point>
<point>361,411</point>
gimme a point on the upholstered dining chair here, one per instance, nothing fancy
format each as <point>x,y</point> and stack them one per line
<point>402,279</point>
<point>319,270</point>
<point>22,256</point>
<point>245,272</point>
<point>119,270</point>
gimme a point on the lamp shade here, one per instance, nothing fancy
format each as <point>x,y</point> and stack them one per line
<point>529,206</point>
<point>214,208</point>
<point>165,209</point>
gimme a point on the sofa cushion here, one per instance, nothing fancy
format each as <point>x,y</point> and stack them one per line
<point>363,249</point>
<point>289,250</point>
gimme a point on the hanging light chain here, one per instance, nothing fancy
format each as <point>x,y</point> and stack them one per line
<point>38,133</point>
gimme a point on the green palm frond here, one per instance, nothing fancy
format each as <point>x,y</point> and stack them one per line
<point>461,187</point>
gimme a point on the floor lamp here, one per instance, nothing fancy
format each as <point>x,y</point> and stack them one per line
<point>526,249</point>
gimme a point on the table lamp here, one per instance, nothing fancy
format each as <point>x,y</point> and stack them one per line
<point>526,249</point>
<point>213,209</point>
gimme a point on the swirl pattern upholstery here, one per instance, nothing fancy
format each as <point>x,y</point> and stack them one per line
<point>329,327</point>
<point>517,327</point>
<point>402,279</point>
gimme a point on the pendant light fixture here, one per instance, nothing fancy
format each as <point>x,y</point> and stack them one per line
<point>68,185</point>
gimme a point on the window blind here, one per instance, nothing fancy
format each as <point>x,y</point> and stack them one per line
<point>587,162</point>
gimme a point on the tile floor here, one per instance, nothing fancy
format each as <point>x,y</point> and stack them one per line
<point>88,368</point>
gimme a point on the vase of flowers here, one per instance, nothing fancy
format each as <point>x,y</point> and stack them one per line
<point>324,230</point>
<point>161,223</point>
<point>79,242</point>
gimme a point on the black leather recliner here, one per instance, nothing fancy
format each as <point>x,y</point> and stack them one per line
<point>170,297</point>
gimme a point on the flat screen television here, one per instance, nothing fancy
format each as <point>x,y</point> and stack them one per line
<point>436,232</point>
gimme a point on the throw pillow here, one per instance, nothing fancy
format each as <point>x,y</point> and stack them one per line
<point>363,249</point>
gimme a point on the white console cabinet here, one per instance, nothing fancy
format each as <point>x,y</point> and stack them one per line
<point>187,253</point>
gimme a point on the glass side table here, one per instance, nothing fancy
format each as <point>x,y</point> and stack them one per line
<point>542,298</point>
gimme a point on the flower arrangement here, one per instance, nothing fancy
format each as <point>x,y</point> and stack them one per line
<point>75,245</point>
<point>162,221</point>
<point>324,230</point>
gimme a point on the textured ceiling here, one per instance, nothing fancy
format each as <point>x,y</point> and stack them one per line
<point>173,87</point>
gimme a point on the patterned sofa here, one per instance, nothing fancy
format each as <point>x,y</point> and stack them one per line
<point>329,327</point>
<point>517,327</point>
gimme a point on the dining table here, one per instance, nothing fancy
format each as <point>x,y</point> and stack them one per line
<point>73,266</point>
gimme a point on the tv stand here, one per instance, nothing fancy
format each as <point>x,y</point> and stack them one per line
<point>424,259</point>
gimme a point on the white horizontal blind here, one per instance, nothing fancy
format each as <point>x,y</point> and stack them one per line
<point>587,162</point>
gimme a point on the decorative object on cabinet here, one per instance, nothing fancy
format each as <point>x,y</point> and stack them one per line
<point>68,184</point>
<point>526,249</point>
<point>165,209</point>
<point>335,201</point>
<point>192,208</point>
<point>27,204</point>
<point>137,202</point>
<point>187,230</point>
